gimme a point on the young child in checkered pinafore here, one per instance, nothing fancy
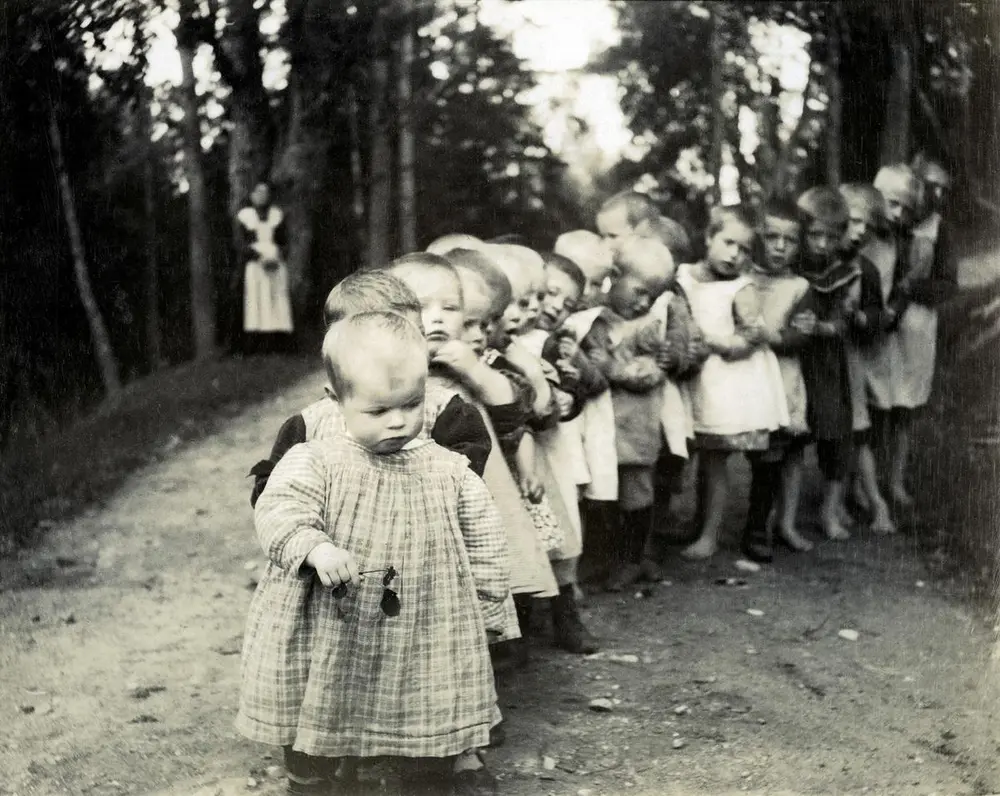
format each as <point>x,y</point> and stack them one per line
<point>330,673</point>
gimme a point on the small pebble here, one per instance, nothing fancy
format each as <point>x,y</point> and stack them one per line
<point>920,584</point>
<point>755,612</point>
<point>680,710</point>
<point>744,565</point>
<point>549,763</point>
<point>601,705</point>
<point>848,635</point>
<point>678,743</point>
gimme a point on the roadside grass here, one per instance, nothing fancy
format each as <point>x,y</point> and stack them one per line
<point>85,462</point>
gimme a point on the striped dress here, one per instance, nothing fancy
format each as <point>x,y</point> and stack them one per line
<point>337,677</point>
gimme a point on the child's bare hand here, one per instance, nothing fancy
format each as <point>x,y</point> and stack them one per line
<point>564,402</point>
<point>568,347</point>
<point>333,565</point>
<point>666,356</point>
<point>458,356</point>
<point>532,488</point>
<point>804,322</point>
<point>567,372</point>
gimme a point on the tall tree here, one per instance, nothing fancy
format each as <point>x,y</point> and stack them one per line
<point>102,342</point>
<point>200,242</point>
<point>834,125</point>
<point>380,149</point>
<point>404,122</point>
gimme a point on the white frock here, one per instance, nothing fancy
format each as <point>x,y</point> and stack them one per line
<point>737,397</point>
<point>267,305</point>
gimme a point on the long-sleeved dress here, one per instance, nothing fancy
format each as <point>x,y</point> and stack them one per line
<point>338,677</point>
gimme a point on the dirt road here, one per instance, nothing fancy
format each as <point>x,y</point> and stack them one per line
<point>120,665</point>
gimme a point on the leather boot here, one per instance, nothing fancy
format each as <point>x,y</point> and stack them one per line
<point>568,630</point>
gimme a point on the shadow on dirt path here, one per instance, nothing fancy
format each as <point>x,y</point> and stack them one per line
<point>120,669</point>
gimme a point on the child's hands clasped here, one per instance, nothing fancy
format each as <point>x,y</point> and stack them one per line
<point>804,322</point>
<point>333,565</point>
<point>532,488</point>
<point>458,356</point>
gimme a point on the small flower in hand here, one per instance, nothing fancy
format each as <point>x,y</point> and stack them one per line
<point>532,488</point>
<point>564,402</point>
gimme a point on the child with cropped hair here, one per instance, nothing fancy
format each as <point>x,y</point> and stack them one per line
<point>726,308</point>
<point>592,255</point>
<point>620,215</point>
<point>338,663</point>
<point>635,350</point>
<point>670,233</point>
<point>866,222</point>
<point>451,422</point>
<point>776,479</point>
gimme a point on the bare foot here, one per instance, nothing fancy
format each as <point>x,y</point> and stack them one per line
<point>901,497</point>
<point>835,531</point>
<point>881,521</point>
<point>845,517</point>
<point>795,540</point>
<point>700,550</point>
<point>860,498</point>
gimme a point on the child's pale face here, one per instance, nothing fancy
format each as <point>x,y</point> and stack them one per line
<point>823,240</point>
<point>860,230</point>
<point>478,311</point>
<point>515,316</point>
<point>559,300</point>
<point>897,205</point>
<point>613,224</point>
<point>729,249</point>
<point>632,294</point>
<point>781,243</point>
<point>384,408</point>
<point>440,295</point>
<point>536,291</point>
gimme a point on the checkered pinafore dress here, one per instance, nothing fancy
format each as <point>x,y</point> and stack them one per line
<point>336,677</point>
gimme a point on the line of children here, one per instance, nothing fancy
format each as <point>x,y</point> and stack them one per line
<point>576,384</point>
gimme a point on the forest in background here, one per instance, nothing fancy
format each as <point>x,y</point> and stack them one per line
<point>396,122</point>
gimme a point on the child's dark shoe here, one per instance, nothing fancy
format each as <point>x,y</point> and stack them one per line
<point>475,783</point>
<point>623,577</point>
<point>568,631</point>
<point>650,571</point>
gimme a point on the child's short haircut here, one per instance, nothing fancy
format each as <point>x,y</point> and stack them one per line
<point>433,262</point>
<point>568,267</point>
<point>368,291</point>
<point>864,196</point>
<point>638,254</point>
<point>638,206</point>
<point>720,216</point>
<point>455,240</point>
<point>477,263</point>
<point>670,233</point>
<point>823,204</point>
<point>780,207</point>
<point>356,334</point>
<point>587,249</point>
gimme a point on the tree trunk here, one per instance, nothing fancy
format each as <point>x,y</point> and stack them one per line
<point>717,89</point>
<point>835,112</point>
<point>199,234</point>
<point>357,169</point>
<point>404,104</point>
<point>250,134</point>
<point>151,274</point>
<point>102,343</point>
<point>380,152</point>
<point>895,138</point>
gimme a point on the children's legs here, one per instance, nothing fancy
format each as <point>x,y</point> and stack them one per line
<point>756,541</point>
<point>902,424</point>
<point>308,775</point>
<point>867,481</point>
<point>568,631</point>
<point>716,494</point>
<point>834,458</point>
<point>635,501</point>
<point>791,493</point>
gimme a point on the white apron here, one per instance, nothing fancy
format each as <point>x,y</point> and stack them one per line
<point>267,305</point>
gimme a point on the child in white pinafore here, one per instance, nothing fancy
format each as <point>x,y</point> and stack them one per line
<point>367,635</point>
<point>738,397</point>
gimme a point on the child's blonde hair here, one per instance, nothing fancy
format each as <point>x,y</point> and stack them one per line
<point>644,256</point>
<point>669,233</point>
<point>588,250</point>
<point>477,263</point>
<point>638,207</point>
<point>360,340</point>
<point>454,240</point>
<point>417,260</point>
<point>368,291</point>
